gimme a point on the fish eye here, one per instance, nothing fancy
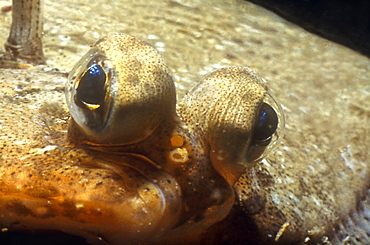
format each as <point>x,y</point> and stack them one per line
<point>268,129</point>
<point>119,82</point>
<point>266,123</point>
<point>91,87</point>
<point>89,91</point>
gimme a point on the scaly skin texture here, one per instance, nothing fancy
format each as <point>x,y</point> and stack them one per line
<point>154,177</point>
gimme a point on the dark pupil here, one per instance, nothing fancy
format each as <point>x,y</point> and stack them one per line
<point>266,124</point>
<point>91,87</point>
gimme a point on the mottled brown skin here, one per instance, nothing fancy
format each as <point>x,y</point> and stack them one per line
<point>309,190</point>
<point>204,202</point>
<point>152,179</point>
<point>315,179</point>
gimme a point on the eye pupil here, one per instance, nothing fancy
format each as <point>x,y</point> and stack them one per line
<point>91,86</point>
<point>267,122</point>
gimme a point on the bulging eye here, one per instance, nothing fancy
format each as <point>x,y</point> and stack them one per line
<point>267,131</point>
<point>91,88</point>
<point>119,93</point>
<point>266,123</point>
<point>89,91</point>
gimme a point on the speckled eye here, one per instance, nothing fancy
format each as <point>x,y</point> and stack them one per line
<point>119,92</point>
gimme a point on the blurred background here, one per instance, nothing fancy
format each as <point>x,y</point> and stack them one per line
<point>341,21</point>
